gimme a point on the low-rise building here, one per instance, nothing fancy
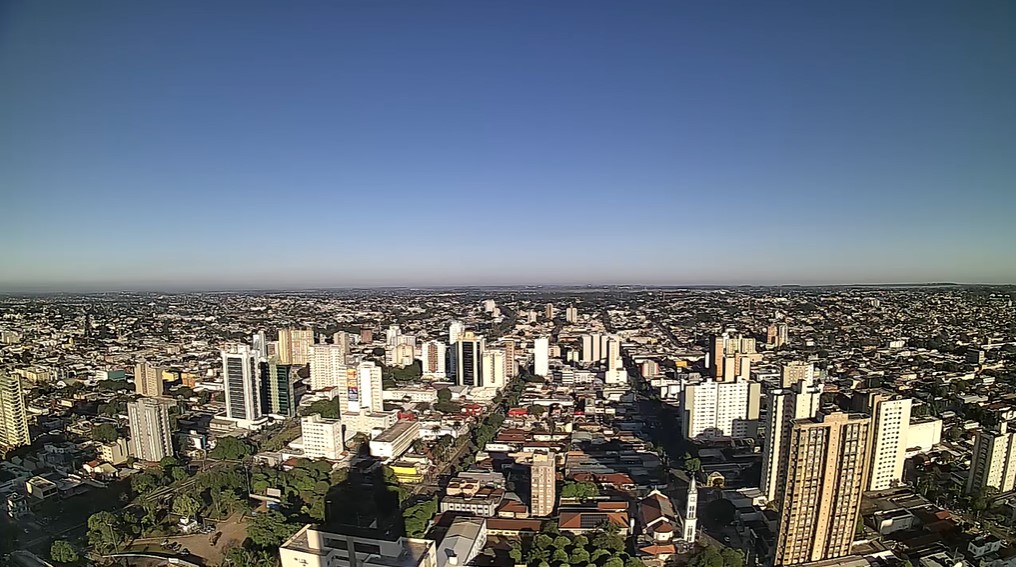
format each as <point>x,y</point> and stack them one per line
<point>311,547</point>
<point>395,440</point>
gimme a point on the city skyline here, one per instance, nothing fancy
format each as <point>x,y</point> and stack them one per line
<point>251,146</point>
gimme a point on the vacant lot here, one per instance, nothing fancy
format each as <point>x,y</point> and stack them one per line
<point>233,533</point>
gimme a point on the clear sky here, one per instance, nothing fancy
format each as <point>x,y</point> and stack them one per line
<point>307,144</point>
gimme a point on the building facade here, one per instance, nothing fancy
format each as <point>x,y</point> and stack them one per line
<point>543,484</point>
<point>322,437</point>
<point>241,384</point>
<point>993,463</point>
<point>541,356</point>
<point>13,416</point>
<point>799,400</point>
<point>714,410</point>
<point>148,380</point>
<point>327,366</point>
<point>151,437</point>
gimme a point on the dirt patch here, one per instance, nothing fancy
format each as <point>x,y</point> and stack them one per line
<point>233,529</point>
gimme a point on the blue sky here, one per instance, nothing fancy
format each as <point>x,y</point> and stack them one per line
<point>303,144</point>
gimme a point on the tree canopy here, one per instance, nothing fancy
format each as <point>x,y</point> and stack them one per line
<point>105,433</point>
<point>231,449</point>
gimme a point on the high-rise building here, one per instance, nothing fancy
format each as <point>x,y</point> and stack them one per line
<point>151,438</point>
<point>493,368</point>
<point>797,400</point>
<point>993,463</point>
<point>510,370</point>
<point>571,315</point>
<point>594,347</point>
<point>241,384</point>
<point>689,522</point>
<point>715,410</point>
<point>294,346</point>
<point>455,330</point>
<point>148,380</point>
<point>259,343</point>
<point>362,389</point>
<point>277,394</point>
<point>728,353</point>
<point>548,311</point>
<point>13,417</point>
<point>796,372</point>
<point>827,473</point>
<point>433,356</point>
<point>402,354</point>
<point>468,360</point>
<point>614,360</point>
<point>327,366</point>
<point>366,336</point>
<point>543,484</point>
<point>392,335</point>
<point>341,340</point>
<point>890,420</point>
<point>777,335</point>
<point>322,437</point>
<point>541,356</point>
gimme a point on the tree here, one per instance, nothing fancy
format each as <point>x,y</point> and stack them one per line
<point>107,532</point>
<point>186,505</point>
<point>63,552</point>
<point>581,490</point>
<point>328,409</point>
<point>561,542</point>
<point>444,395</point>
<point>708,557</point>
<point>515,553</point>
<point>732,557</point>
<point>230,449</point>
<point>579,556</point>
<point>185,392</point>
<point>543,541</point>
<point>536,410</point>
<point>105,433</point>
<point>614,562</point>
<point>692,463</point>
<point>169,461</point>
<point>634,562</point>
<point>269,529</point>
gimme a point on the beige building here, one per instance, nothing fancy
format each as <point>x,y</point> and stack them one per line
<point>798,400</point>
<point>731,356</point>
<point>294,346</point>
<point>826,474</point>
<point>13,418</point>
<point>148,380</point>
<point>993,462</point>
<point>327,366</point>
<point>311,547</point>
<point>433,355</point>
<point>322,437</point>
<point>543,484</point>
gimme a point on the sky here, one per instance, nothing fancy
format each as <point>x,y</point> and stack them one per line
<point>309,144</point>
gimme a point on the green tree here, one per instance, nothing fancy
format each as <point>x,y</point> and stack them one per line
<point>105,433</point>
<point>732,557</point>
<point>270,529</point>
<point>230,449</point>
<point>561,542</point>
<point>560,556</point>
<point>579,556</point>
<point>543,541</point>
<point>537,410</point>
<point>708,557</point>
<point>515,553</point>
<point>444,395</point>
<point>63,552</point>
<point>581,490</point>
<point>328,409</point>
<point>614,561</point>
<point>634,562</point>
<point>692,463</point>
<point>186,505</point>
<point>107,532</point>
<point>168,462</point>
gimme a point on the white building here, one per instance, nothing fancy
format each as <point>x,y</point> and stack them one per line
<point>800,400</point>
<point>721,410</point>
<point>322,437</point>
<point>241,384</point>
<point>395,440</point>
<point>463,541</point>
<point>923,434</point>
<point>890,417</point>
<point>571,315</point>
<point>689,522</point>
<point>115,452</point>
<point>151,438</point>
<point>432,360</point>
<point>148,379</point>
<point>993,462</point>
<point>13,418</point>
<point>327,366</point>
<point>541,356</point>
<point>310,547</point>
<point>294,346</point>
<point>493,368</point>
<point>594,348</point>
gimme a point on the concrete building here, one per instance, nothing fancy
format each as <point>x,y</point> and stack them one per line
<point>13,417</point>
<point>993,462</point>
<point>689,522</point>
<point>468,360</point>
<point>322,437</point>
<point>151,438</point>
<point>827,473</point>
<point>148,380</point>
<point>241,384</point>
<point>800,399</point>
<point>395,440</point>
<point>294,346</point>
<point>729,353</point>
<point>715,410</point>
<point>890,416</point>
<point>571,315</point>
<point>543,484</point>
<point>493,368</point>
<point>277,393</point>
<point>796,372</point>
<point>594,348</point>
<point>310,547</point>
<point>400,355</point>
<point>923,434</point>
<point>541,356</point>
<point>548,311</point>
<point>363,389</point>
<point>327,366</point>
<point>433,356</point>
<point>115,452</point>
<point>463,542</point>
<point>777,335</point>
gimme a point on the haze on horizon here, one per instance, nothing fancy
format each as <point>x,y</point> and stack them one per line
<point>305,145</point>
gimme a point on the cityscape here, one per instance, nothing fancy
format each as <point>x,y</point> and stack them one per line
<point>458,283</point>
<point>845,426</point>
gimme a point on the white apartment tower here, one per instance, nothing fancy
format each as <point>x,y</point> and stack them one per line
<point>799,400</point>
<point>327,366</point>
<point>493,368</point>
<point>148,380</point>
<point>543,484</point>
<point>571,315</point>
<point>13,417</point>
<point>151,438</point>
<point>362,390</point>
<point>241,384</point>
<point>433,355</point>
<point>890,420</point>
<point>468,360</point>
<point>994,460</point>
<point>716,410</point>
<point>541,356</point>
<point>322,437</point>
